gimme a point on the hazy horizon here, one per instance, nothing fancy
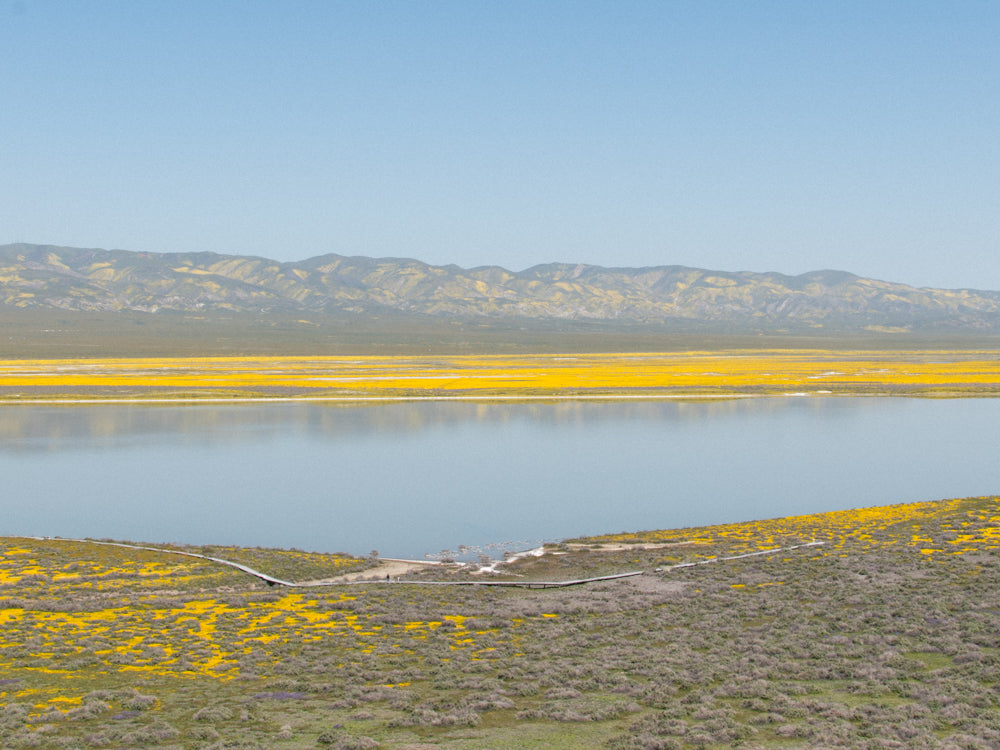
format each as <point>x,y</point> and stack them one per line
<point>773,136</point>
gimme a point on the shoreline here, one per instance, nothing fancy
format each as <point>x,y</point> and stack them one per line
<point>212,400</point>
<point>89,401</point>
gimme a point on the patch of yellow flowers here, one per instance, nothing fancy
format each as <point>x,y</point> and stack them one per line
<point>50,651</point>
<point>965,525</point>
<point>692,373</point>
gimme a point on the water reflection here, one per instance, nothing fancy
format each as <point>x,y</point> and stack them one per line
<point>58,428</point>
<point>415,478</point>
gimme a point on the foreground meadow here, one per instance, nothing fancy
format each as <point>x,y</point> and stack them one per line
<point>883,636</point>
<point>688,374</point>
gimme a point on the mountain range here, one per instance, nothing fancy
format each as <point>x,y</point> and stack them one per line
<point>107,281</point>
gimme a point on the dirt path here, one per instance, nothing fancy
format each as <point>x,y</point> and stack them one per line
<point>623,546</point>
<point>391,569</point>
<point>387,567</point>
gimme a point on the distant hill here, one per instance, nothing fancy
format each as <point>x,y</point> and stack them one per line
<point>88,280</point>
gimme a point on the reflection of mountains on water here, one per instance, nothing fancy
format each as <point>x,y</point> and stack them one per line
<point>41,428</point>
<point>409,478</point>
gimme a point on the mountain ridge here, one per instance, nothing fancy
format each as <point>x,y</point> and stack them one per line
<point>97,280</point>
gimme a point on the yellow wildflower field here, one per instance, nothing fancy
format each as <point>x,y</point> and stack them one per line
<point>695,374</point>
<point>978,526</point>
<point>117,616</point>
<point>112,647</point>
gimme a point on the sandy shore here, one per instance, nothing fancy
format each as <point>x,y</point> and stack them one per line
<point>391,567</point>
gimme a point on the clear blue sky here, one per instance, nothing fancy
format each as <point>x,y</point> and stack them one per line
<point>764,136</point>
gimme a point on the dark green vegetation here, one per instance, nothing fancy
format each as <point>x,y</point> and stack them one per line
<point>884,637</point>
<point>56,334</point>
<point>336,290</point>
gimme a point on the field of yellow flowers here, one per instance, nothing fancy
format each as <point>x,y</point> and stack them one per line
<point>698,374</point>
<point>885,635</point>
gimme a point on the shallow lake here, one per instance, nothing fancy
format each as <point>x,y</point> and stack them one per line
<point>415,478</point>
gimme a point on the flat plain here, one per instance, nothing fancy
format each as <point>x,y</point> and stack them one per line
<point>692,374</point>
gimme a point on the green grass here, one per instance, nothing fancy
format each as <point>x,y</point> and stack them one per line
<point>59,334</point>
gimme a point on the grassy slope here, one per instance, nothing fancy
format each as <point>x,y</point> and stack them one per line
<point>885,636</point>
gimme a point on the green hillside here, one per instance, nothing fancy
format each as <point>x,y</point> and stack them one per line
<point>677,298</point>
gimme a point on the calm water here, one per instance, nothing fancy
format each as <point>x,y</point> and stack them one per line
<point>409,479</point>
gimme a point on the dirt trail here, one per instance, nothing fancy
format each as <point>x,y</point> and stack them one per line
<point>624,546</point>
<point>386,567</point>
